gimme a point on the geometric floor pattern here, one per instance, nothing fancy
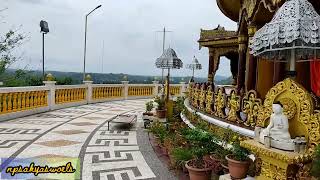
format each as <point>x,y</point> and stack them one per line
<point>78,135</point>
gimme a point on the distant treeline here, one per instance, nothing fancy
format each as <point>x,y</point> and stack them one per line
<point>13,78</point>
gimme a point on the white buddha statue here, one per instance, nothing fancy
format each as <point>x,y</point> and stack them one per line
<point>278,129</point>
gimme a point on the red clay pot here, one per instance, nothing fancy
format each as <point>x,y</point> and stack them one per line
<point>237,169</point>
<point>199,174</point>
<point>161,113</point>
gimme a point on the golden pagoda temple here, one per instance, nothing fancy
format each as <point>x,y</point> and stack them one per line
<point>258,83</point>
<point>250,72</point>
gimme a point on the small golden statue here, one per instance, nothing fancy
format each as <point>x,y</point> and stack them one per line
<point>251,105</point>
<point>233,103</point>
<point>219,103</point>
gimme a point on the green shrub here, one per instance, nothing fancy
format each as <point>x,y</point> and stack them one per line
<point>202,143</point>
<point>181,155</point>
<point>149,106</point>
<point>239,153</point>
<point>159,130</point>
<point>161,103</point>
<point>315,170</point>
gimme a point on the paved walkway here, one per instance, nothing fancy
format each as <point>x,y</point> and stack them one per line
<point>80,135</point>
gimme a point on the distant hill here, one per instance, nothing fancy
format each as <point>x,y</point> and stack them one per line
<point>112,78</point>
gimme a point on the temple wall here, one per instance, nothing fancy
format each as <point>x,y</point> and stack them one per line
<point>264,77</point>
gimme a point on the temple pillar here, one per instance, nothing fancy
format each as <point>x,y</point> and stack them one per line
<point>251,63</point>
<point>210,71</point>
<point>242,63</point>
<point>234,70</point>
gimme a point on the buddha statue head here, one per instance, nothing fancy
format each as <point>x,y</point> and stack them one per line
<point>277,108</point>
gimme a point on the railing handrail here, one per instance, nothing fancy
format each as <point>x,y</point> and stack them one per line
<point>21,101</point>
<point>23,89</point>
<point>70,86</point>
<point>107,85</point>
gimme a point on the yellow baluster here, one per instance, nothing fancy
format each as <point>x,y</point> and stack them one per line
<point>14,102</point>
<point>45,98</point>
<point>56,97</point>
<point>19,101</point>
<point>75,94</point>
<point>27,100</point>
<point>31,99</point>
<point>35,99</point>
<point>71,95</point>
<point>10,102</point>
<point>1,103</point>
<point>40,98</point>
<point>94,93</point>
<point>4,103</point>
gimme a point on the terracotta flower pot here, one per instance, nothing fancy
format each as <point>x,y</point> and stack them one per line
<point>199,174</point>
<point>147,114</point>
<point>237,169</point>
<point>216,165</point>
<point>161,113</point>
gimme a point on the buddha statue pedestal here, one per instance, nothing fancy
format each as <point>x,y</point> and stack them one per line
<point>275,163</point>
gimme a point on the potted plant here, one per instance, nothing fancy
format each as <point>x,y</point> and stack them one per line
<point>238,161</point>
<point>149,107</point>
<point>181,156</point>
<point>201,144</point>
<point>160,110</point>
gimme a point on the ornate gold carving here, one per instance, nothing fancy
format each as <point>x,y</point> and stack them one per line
<point>272,171</point>
<point>252,30</point>
<point>209,102</point>
<point>219,103</point>
<point>276,164</point>
<point>218,32</point>
<point>233,103</point>
<point>242,39</point>
<point>289,107</point>
<point>250,106</point>
<point>314,131</point>
<point>202,97</point>
<point>249,6</point>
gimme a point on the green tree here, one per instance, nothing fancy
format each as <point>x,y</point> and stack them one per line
<point>64,81</point>
<point>8,43</point>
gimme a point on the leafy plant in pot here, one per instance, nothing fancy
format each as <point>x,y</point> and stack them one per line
<point>181,156</point>
<point>201,144</point>
<point>149,107</point>
<point>160,110</point>
<point>159,131</point>
<point>238,161</point>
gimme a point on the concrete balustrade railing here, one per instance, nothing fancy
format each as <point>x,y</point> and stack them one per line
<point>22,101</point>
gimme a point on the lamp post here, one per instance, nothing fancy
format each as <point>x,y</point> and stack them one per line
<point>168,60</point>
<point>44,30</point>
<point>85,41</point>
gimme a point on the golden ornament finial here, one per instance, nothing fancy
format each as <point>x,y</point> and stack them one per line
<point>50,77</point>
<point>88,77</point>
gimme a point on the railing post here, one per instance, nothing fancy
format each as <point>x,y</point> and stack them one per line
<point>183,88</point>
<point>51,94</point>
<point>125,89</point>
<point>89,91</point>
<point>155,88</point>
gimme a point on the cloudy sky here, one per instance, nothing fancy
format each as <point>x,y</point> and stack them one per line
<point>127,28</point>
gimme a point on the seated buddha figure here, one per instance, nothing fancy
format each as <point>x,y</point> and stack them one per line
<point>278,128</point>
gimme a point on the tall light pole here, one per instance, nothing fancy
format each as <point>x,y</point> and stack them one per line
<point>164,31</point>
<point>44,30</point>
<point>85,41</point>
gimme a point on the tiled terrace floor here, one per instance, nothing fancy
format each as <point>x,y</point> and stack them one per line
<point>80,135</point>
